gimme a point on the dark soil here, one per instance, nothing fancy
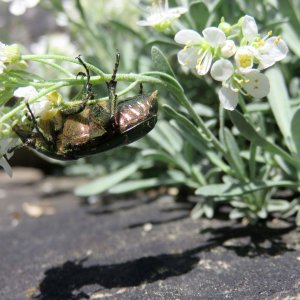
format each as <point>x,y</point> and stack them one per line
<point>134,248</point>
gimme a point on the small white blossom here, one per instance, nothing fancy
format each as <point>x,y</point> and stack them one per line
<point>7,144</point>
<point>161,16</point>
<point>271,50</point>
<point>222,70</point>
<point>228,98</point>
<point>198,50</point>
<point>228,49</point>
<point>268,50</point>
<point>38,108</point>
<point>19,7</point>
<point>2,67</point>
<point>244,59</point>
<point>249,28</point>
<point>256,84</point>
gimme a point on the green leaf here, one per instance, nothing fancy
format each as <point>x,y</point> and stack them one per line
<point>234,153</point>
<point>295,129</point>
<point>238,189</point>
<point>200,14</point>
<point>135,185</point>
<point>104,183</point>
<point>159,156</point>
<point>191,133</point>
<point>160,62</point>
<point>288,8</point>
<point>277,205</point>
<point>280,103</point>
<point>247,130</point>
<point>292,38</point>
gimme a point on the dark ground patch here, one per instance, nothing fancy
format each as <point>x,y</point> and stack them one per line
<point>107,252</point>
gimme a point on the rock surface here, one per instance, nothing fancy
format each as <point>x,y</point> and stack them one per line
<point>135,249</point>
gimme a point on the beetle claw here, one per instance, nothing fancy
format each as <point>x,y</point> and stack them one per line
<point>81,74</point>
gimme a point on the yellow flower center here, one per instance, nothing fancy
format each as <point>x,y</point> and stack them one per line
<point>245,60</point>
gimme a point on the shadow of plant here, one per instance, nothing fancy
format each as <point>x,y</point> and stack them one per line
<point>251,240</point>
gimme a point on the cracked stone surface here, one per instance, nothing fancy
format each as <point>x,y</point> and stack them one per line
<point>52,246</point>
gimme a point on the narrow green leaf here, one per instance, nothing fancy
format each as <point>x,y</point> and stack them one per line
<point>295,129</point>
<point>292,38</point>
<point>135,185</point>
<point>195,138</point>
<point>234,153</point>
<point>104,183</point>
<point>287,8</point>
<point>200,14</point>
<point>277,205</point>
<point>238,189</point>
<point>160,62</point>
<point>280,103</point>
<point>159,156</point>
<point>250,134</point>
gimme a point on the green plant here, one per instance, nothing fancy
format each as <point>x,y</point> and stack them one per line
<point>243,152</point>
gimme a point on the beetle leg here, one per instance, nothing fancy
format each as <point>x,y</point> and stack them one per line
<point>141,88</point>
<point>35,125</point>
<point>112,85</point>
<point>89,94</point>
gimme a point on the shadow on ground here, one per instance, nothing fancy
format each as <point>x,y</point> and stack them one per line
<point>65,282</point>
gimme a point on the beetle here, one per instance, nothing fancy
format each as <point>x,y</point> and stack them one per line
<point>87,129</point>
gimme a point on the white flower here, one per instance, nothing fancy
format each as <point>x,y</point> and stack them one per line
<point>18,7</point>
<point>228,49</point>
<point>198,51</point>
<point>244,58</point>
<point>256,84</point>
<point>249,28</point>
<point>161,16</point>
<point>269,49</point>
<point>228,98</point>
<point>38,108</point>
<point>6,144</point>
<point>9,54</point>
<point>222,70</point>
<point>2,67</point>
<point>57,43</point>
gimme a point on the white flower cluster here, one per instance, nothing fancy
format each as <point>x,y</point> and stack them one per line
<point>19,7</point>
<point>161,16</point>
<point>9,55</point>
<point>234,55</point>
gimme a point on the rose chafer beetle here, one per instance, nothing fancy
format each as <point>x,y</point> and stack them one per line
<point>86,129</point>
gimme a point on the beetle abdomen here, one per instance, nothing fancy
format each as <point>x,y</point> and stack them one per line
<point>136,110</point>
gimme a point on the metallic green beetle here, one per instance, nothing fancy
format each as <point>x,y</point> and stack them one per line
<point>91,128</point>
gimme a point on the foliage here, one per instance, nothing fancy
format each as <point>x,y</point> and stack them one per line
<point>245,157</point>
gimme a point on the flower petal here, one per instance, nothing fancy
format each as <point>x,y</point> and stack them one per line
<point>221,70</point>
<point>25,92</point>
<point>228,98</point>
<point>258,85</point>
<point>187,36</point>
<point>214,36</point>
<point>204,63</point>
<point>178,10</point>
<point>228,49</point>
<point>188,57</point>
<point>278,48</point>
<point>249,28</point>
